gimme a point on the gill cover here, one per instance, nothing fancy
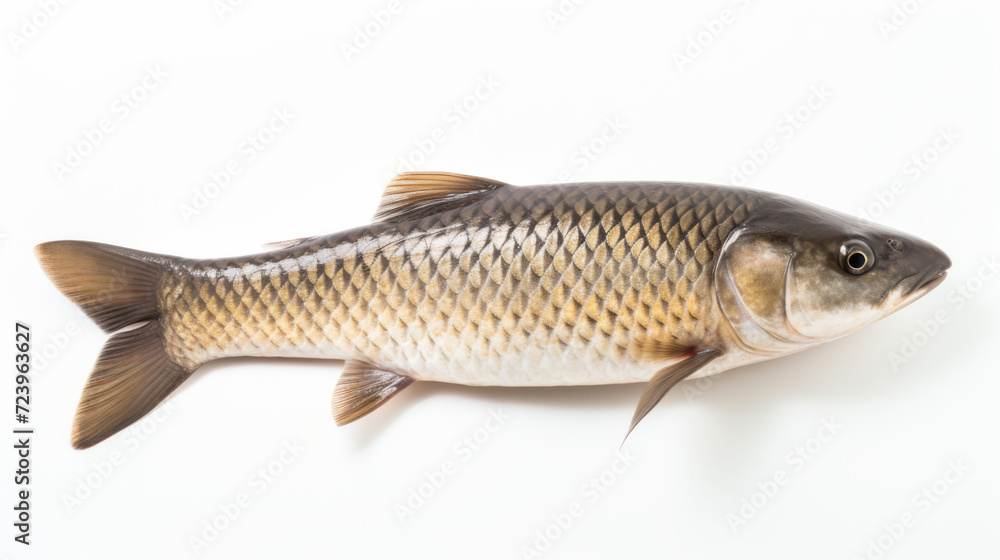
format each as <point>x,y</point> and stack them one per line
<point>754,286</point>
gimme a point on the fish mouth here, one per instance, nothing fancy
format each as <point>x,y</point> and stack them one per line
<point>912,288</point>
<point>919,285</point>
<point>928,282</point>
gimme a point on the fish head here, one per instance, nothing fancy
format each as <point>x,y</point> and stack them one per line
<point>795,274</point>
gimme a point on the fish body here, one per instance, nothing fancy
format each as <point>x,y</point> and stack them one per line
<point>548,285</point>
<point>471,281</point>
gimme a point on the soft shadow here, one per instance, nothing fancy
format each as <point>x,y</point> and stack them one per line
<point>368,429</point>
<point>578,398</point>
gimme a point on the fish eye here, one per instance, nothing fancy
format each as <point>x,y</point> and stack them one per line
<point>856,257</point>
<point>857,260</point>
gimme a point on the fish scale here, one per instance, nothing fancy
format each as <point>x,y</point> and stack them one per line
<point>542,285</point>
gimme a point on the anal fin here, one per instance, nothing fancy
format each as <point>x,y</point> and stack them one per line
<point>665,379</point>
<point>362,388</point>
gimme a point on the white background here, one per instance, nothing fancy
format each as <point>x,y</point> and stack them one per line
<point>703,451</point>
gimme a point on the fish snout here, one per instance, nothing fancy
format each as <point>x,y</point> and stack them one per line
<point>930,266</point>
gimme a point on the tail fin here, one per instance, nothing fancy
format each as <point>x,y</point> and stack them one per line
<point>116,287</point>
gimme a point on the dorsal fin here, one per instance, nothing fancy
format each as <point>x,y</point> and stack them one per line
<point>278,245</point>
<point>416,194</point>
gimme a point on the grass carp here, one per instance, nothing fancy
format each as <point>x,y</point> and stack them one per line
<point>468,280</point>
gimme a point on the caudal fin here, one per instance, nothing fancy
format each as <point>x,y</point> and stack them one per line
<point>116,287</point>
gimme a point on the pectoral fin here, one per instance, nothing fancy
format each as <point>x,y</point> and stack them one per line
<point>665,379</point>
<point>362,388</point>
<point>655,349</point>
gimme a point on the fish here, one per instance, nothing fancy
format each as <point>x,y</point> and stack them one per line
<point>467,280</point>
